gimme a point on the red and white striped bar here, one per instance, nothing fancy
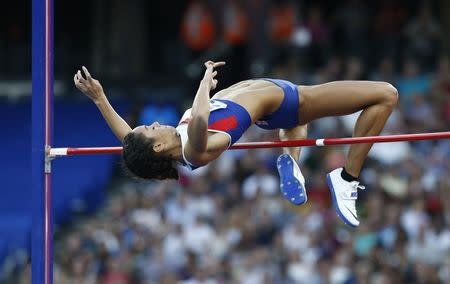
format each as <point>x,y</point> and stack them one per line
<point>56,152</point>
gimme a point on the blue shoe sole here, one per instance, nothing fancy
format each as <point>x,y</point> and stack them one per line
<point>336,207</point>
<point>290,186</point>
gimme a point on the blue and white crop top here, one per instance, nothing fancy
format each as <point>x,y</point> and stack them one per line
<point>225,116</point>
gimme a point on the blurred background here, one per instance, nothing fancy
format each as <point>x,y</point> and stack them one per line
<point>226,223</point>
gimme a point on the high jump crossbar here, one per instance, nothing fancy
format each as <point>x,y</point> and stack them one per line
<point>70,151</point>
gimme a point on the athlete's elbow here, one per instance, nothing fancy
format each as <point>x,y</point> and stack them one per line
<point>200,147</point>
<point>199,144</point>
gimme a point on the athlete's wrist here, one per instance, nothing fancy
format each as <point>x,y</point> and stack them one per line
<point>205,82</point>
<point>100,99</point>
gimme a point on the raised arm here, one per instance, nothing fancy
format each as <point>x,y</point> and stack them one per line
<point>198,126</point>
<point>92,88</point>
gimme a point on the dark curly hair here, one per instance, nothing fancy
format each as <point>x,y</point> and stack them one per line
<point>142,161</point>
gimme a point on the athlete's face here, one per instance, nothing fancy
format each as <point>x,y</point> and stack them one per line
<point>163,135</point>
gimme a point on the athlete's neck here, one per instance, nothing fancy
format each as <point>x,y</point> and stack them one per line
<point>176,150</point>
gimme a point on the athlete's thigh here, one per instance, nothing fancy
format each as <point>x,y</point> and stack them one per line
<point>339,98</point>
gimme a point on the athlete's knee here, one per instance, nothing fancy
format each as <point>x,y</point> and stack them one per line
<point>283,135</point>
<point>390,94</point>
<point>298,132</point>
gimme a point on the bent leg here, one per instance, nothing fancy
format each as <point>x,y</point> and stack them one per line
<point>377,99</point>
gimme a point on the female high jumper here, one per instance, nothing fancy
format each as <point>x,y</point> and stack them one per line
<point>212,125</point>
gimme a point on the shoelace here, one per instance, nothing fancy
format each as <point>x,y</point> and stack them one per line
<point>355,186</point>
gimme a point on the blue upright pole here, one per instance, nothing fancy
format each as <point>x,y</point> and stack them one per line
<point>42,106</point>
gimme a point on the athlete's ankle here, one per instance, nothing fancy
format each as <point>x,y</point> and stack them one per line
<point>294,156</point>
<point>348,177</point>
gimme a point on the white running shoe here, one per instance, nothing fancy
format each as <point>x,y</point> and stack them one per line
<point>344,195</point>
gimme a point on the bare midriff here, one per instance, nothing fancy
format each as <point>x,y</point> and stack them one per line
<point>258,97</point>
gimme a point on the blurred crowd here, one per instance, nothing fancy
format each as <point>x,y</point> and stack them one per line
<point>227,222</point>
<point>253,36</point>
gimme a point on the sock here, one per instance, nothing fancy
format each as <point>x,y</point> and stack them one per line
<point>347,177</point>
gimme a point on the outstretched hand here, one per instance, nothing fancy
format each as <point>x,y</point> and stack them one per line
<point>89,86</point>
<point>210,74</point>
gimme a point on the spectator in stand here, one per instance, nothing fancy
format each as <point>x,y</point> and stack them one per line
<point>320,33</point>
<point>412,82</point>
<point>423,34</point>
<point>352,19</point>
<point>283,18</point>
<point>235,34</point>
<point>385,71</point>
<point>198,29</point>
<point>388,25</point>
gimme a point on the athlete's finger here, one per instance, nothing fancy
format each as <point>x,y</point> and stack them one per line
<point>217,64</point>
<point>214,84</point>
<point>209,64</point>
<point>86,72</point>
<point>80,77</point>
<point>77,78</point>
<point>80,86</point>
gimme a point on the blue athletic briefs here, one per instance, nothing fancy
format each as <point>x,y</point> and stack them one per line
<point>286,116</point>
